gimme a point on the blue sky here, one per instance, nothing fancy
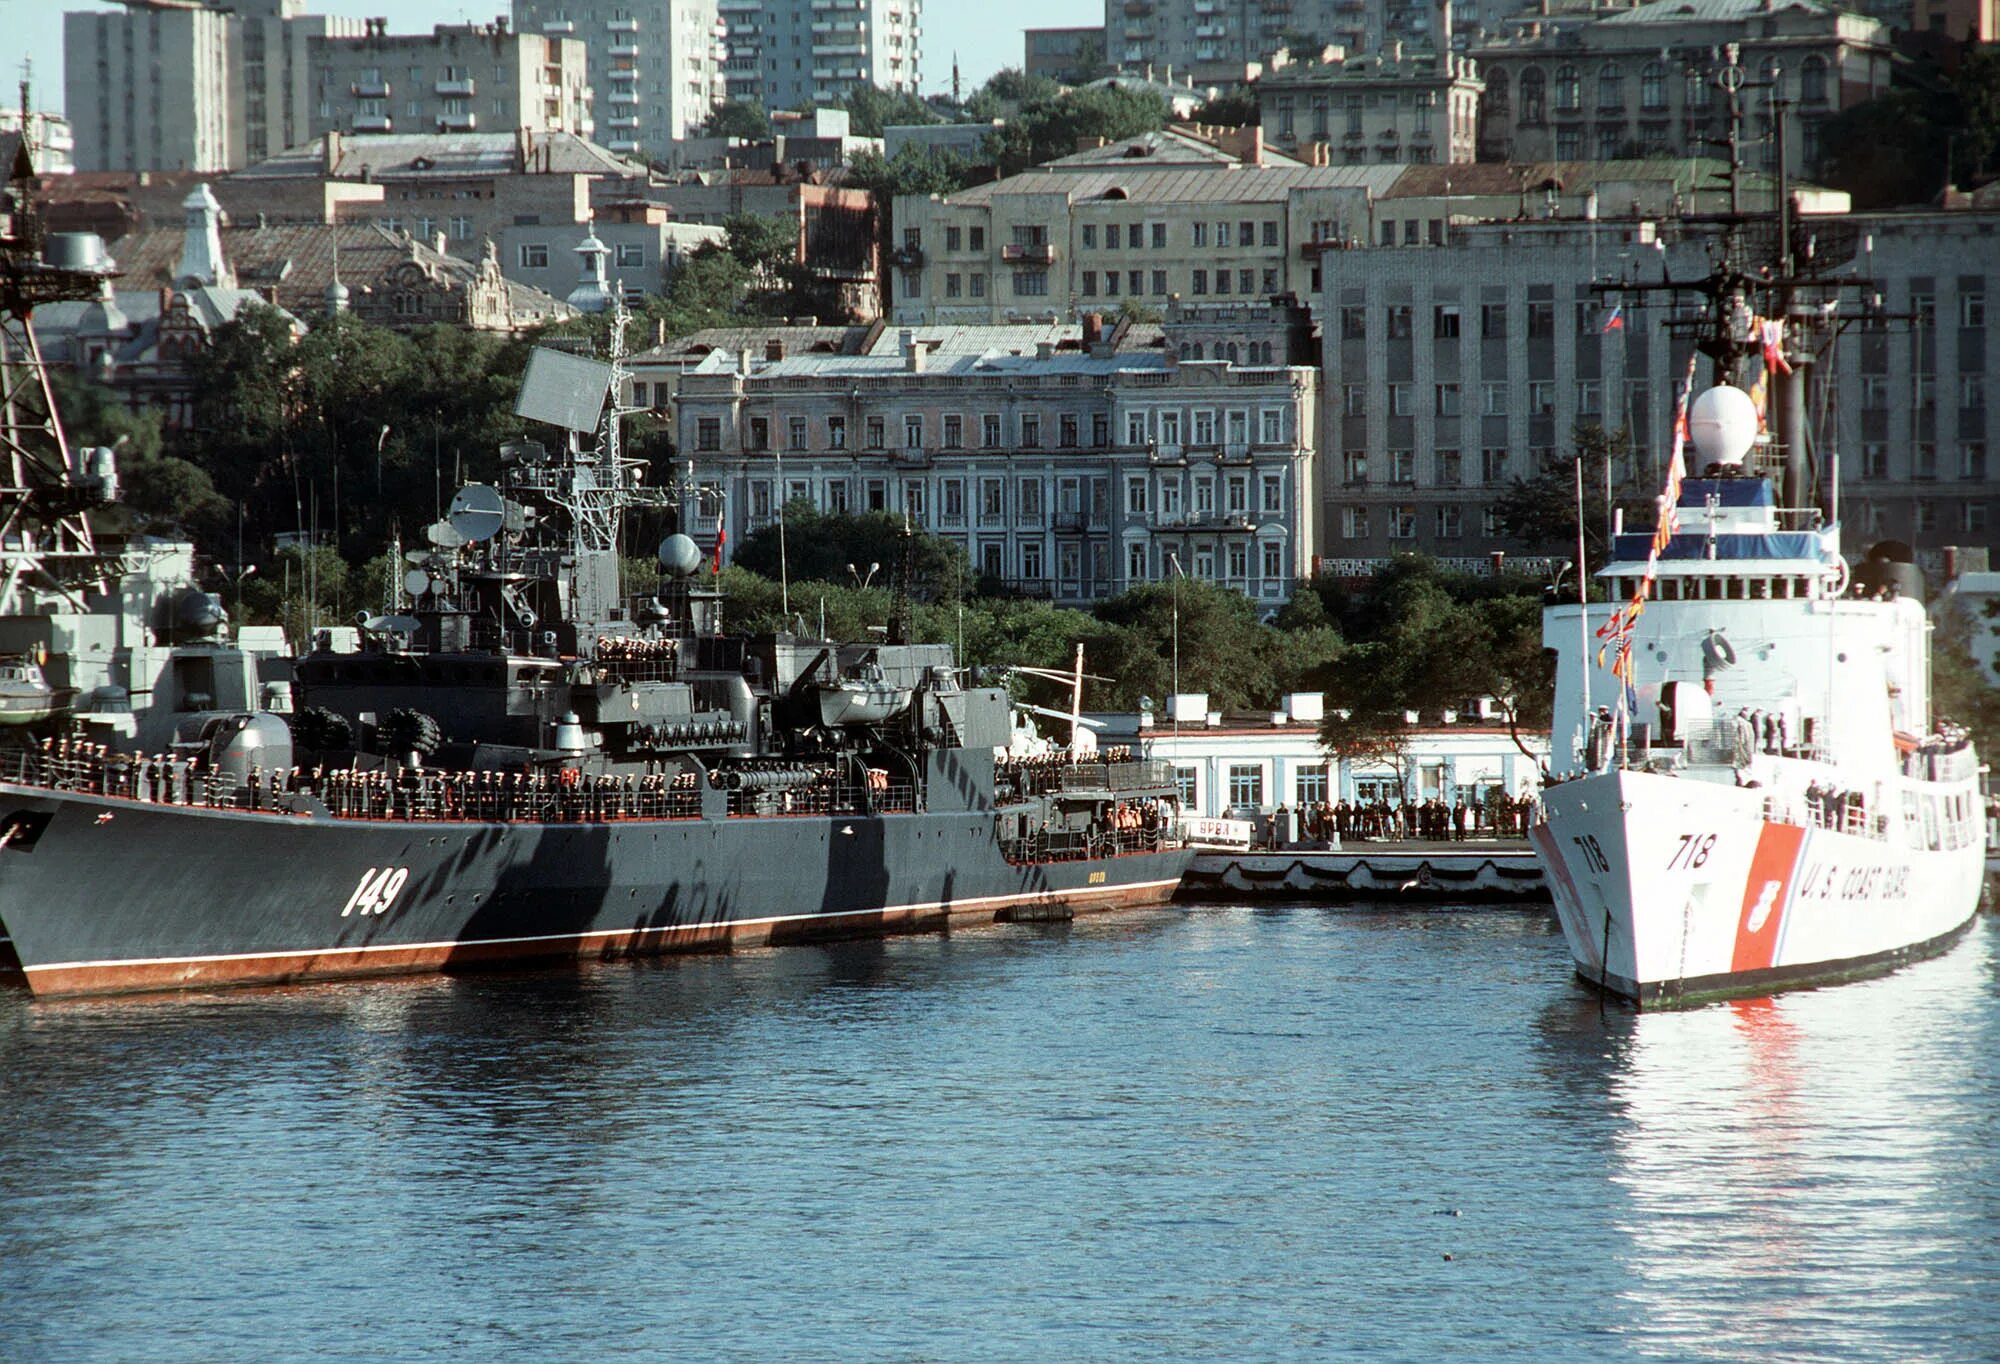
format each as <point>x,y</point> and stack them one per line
<point>984,41</point>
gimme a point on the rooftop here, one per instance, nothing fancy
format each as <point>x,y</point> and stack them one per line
<point>404,156</point>
<point>1244,184</point>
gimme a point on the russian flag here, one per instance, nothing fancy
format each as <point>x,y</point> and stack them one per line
<point>1615,322</point>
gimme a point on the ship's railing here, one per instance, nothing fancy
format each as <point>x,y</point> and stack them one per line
<point>842,799</point>
<point>1118,776</point>
<point>1844,812</point>
<point>1080,845</point>
<point>1945,764</point>
<point>1724,743</point>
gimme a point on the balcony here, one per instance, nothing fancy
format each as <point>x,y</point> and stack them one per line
<point>624,144</point>
<point>1167,454</point>
<point>622,121</point>
<point>907,258</point>
<point>464,89</point>
<point>624,49</point>
<point>458,123</point>
<point>559,26</point>
<point>623,97</point>
<point>622,25</point>
<point>911,457</point>
<point>1039,253</point>
<point>1138,8</point>
<point>375,89</point>
<point>1234,452</point>
<point>373,123</point>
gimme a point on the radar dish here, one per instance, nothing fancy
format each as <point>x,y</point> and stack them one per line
<point>416,582</point>
<point>679,555</point>
<point>563,390</point>
<point>477,513</point>
<point>444,535</point>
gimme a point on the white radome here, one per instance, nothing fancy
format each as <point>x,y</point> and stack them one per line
<point>1722,423</point>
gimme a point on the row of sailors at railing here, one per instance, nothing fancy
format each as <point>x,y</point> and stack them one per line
<point>635,649</point>
<point>1036,773</point>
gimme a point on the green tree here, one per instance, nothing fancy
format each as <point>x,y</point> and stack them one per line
<point>871,108</point>
<point>1538,511</point>
<point>739,118</point>
<point>1007,92</point>
<point>819,546</point>
<point>1235,109</point>
<point>912,170</point>
<point>761,243</point>
<point>1052,127</point>
<point>1888,151</point>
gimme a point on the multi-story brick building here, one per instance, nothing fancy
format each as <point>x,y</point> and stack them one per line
<point>459,78</point>
<point>1643,81</point>
<point>1450,372</point>
<point>1416,107</point>
<point>787,54</point>
<point>1144,220</point>
<point>1074,473</point>
<point>655,70</point>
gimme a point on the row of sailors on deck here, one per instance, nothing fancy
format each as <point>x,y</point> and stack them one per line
<point>1762,730</point>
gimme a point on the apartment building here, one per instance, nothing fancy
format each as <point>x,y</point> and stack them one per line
<point>154,89</point>
<point>1140,221</point>
<point>459,78</point>
<point>643,244</point>
<point>1069,55</point>
<point>190,87</point>
<point>655,69</point>
<point>1449,372</point>
<point>787,54</point>
<point>1072,473</point>
<point>1232,40</point>
<point>1417,108</point>
<point>1644,81</point>
<point>279,91</point>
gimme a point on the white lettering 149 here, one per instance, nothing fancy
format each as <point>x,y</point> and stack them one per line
<point>377,891</point>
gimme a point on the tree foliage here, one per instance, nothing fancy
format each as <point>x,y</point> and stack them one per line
<point>912,170</point>
<point>1233,109</point>
<point>1899,147</point>
<point>739,118</point>
<point>1049,127</point>
<point>819,546</point>
<point>870,109</point>
<point>1007,92</point>
<point>1538,511</point>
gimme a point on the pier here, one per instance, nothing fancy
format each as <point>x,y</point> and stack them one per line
<point>1491,870</point>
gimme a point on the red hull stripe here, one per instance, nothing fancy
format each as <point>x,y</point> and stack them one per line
<point>173,973</point>
<point>1766,895</point>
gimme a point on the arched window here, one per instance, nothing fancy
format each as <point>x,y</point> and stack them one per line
<point>1496,92</point>
<point>1610,87</point>
<point>1569,90</point>
<point>1532,87</point>
<point>1197,350</point>
<point>1700,91</point>
<point>1812,80</point>
<point>1653,86</point>
<point>1187,351</point>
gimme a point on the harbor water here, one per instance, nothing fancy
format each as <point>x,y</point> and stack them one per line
<point>1227,1132</point>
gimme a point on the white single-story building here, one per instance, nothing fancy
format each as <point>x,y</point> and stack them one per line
<point>1241,762</point>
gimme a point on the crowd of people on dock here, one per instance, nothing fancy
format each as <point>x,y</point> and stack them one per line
<point>1434,818</point>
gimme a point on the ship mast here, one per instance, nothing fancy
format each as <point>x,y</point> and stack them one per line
<point>45,536</point>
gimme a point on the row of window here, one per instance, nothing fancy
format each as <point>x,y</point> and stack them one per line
<point>1698,89</point>
<point>1203,426</point>
<point>1919,392</point>
<point>1970,464</point>
<point>535,255</point>
<point>1447,399</point>
<point>1447,467</point>
<point>1447,522</point>
<point>1084,499</point>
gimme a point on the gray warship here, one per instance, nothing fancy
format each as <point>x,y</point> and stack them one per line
<point>518,762</point>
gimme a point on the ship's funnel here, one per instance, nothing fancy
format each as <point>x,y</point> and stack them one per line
<point>1722,423</point>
